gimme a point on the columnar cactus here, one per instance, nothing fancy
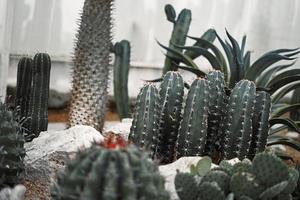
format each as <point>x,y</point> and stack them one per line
<point>170,105</point>
<point>24,84</point>
<point>100,173</point>
<point>267,177</point>
<point>179,34</point>
<point>238,129</point>
<point>121,70</point>
<point>193,127</point>
<point>260,123</point>
<point>38,112</point>
<point>217,101</point>
<point>12,150</point>
<point>143,131</point>
<point>91,65</point>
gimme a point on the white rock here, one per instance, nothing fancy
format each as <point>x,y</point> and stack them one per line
<point>122,128</point>
<point>47,154</point>
<point>16,193</point>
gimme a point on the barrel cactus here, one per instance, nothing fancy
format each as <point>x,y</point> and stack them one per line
<point>12,150</point>
<point>91,65</point>
<point>112,171</point>
<point>267,177</point>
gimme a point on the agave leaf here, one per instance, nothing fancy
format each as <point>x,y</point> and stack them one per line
<point>247,59</point>
<point>243,45</point>
<point>263,63</point>
<point>285,109</point>
<point>204,52</point>
<point>282,50</point>
<point>208,36</point>
<point>154,80</point>
<point>282,82</point>
<point>284,74</point>
<point>284,141</point>
<point>286,121</point>
<point>179,56</point>
<point>284,90</point>
<point>267,74</point>
<point>198,72</point>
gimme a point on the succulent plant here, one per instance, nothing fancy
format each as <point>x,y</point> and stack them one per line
<point>170,105</point>
<point>179,33</point>
<point>295,114</point>
<point>267,177</point>
<point>121,70</point>
<point>38,106</point>
<point>112,172</point>
<point>12,150</point>
<point>24,87</point>
<point>91,65</point>
<point>143,131</point>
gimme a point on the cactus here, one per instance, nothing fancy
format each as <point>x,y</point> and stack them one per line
<point>12,150</point>
<point>238,130</point>
<point>113,173</point>
<point>24,80</point>
<point>143,131</point>
<point>170,100</point>
<point>267,177</point>
<point>179,34</point>
<point>121,70</point>
<point>193,127</point>
<point>217,109</point>
<point>38,111</point>
<point>91,65</point>
<point>260,123</point>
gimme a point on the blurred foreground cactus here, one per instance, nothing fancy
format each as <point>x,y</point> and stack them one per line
<point>12,150</point>
<point>212,123</point>
<point>267,177</point>
<point>91,65</point>
<point>32,94</point>
<point>121,71</point>
<point>114,171</point>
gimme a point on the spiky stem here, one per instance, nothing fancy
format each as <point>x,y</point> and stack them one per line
<point>91,65</point>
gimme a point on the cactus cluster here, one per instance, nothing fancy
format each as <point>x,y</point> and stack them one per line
<point>267,177</point>
<point>32,94</point>
<point>112,171</point>
<point>12,150</point>
<point>212,122</point>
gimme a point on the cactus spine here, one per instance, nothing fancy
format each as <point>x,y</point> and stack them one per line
<point>217,109</point>
<point>24,80</point>
<point>12,150</point>
<point>91,65</point>
<point>260,123</point>
<point>170,97</point>
<point>179,34</point>
<point>103,174</point>
<point>238,130</point>
<point>121,70</point>
<point>143,131</point>
<point>38,114</point>
<point>193,127</point>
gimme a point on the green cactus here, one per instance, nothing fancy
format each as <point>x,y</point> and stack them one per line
<point>38,109</point>
<point>12,150</point>
<point>260,123</point>
<point>193,127</point>
<point>121,71</point>
<point>217,109</point>
<point>24,80</point>
<point>143,131</point>
<point>91,65</point>
<point>266,178</point>
<point>238,130</point>
<point>179,34</point>
<point>110,174</point>
<point>170,101</point>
